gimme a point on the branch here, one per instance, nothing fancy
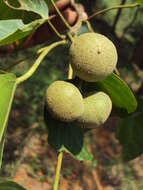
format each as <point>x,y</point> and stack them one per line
<point>34,67</point>
<point>114,7</point>
<point>55,30</point>
<point>60,15</point>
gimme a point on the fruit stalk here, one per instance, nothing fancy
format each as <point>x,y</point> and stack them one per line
<point>60,15</point>
<point>55,30</point>
<point>60,155</point>
<point>34,67</point>
<point>58,169</point>
<point>88,26</point>
<point>70,73</point>
<point>64,20</point>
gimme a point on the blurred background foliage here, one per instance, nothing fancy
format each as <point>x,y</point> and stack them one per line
<point>27,156</point>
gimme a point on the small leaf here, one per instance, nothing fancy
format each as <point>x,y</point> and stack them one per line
<point>12,30</point>
<point>66,137</point>
<point>130,135</point>
<point>10,185</point>
<point>36,6</point>
<point>84,154</point>
<point>7,89</point>
<point>118,90</point>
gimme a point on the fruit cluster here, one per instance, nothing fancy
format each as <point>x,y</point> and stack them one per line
<point>93,57</point>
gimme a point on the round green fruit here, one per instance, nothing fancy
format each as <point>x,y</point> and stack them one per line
<point>97,108</point>
<point>64,101</point>
<point>93,56</point>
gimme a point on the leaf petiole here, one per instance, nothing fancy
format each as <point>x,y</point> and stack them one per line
<point>42,55</point>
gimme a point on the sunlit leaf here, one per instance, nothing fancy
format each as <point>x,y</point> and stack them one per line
<point>9,13</point>
<point>7,89</point>
<point>12,30</point>
<point>36,6</point>
<point>119,92</point>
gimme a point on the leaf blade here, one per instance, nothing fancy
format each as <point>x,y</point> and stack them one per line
<point>15,29</point>
<point>7,89</point>
<point>36,6</point>
<point>118,90</point>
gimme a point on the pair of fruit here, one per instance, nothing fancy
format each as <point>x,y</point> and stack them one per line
<point>65,102</point>
<point>93,57</point>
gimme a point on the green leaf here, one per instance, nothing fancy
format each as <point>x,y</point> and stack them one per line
<point>7,89</point>
<point>83,154</point>
<point>2,148</point>
<point>130,135</point>
<point>66,137</point>
<point>140,2</point>
<point>8,13</point>
<point>118,90</point>
<point>12,30</point>
<point>36,6</point>
<point>10,185</point>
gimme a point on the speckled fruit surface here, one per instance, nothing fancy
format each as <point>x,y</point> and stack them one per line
<point>64,101</point>
<point>97,108</point>
<point>93,56</point>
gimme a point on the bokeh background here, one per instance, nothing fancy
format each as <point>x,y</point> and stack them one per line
<point>28,159</point>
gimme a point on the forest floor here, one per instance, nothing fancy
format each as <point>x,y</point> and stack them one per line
<point>30,161</point>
